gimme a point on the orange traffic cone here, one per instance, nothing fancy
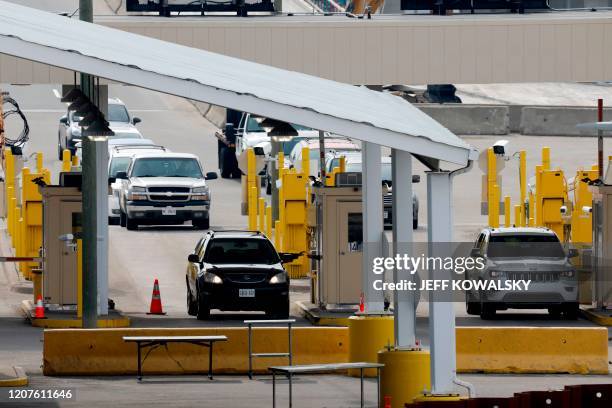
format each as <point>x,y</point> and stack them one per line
<point>39,312</point>
<point>361,303</point>
<point>156,305</point>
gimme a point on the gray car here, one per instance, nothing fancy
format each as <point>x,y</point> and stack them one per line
<point>525,253</point>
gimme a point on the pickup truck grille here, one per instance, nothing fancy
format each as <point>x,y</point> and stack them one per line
<point>534,276</point>
<point>388,199</point>
<point>169,193</point>
<point>245,277</point>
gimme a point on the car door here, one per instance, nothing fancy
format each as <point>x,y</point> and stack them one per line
<point>194,268</point>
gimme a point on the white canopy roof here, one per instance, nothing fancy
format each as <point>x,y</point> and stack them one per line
<point>225,81</point>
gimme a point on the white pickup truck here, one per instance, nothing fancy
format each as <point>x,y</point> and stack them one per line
<point>164,188</point>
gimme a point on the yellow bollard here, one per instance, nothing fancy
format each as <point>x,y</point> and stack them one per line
<point>531,222</point>
<point>9,210</point>
<point>405,375</point>
<point>12,208</point>
<point>491,180</point>
<point>495,207</point>
<point>523,180</point>
<point>75,161</point>
<point>269,222</point>
<point>281,215</point>
<point>507,211</point>
<point>253,209</point>
<point>367,336</point>
<point>261,213</point>
<point>39,162</point>
<point>17,232</point>
<point>546,158</point>
<point>537,215</point>
<point>517,216</point>
<point>277,235</point>
<point>66,161</point>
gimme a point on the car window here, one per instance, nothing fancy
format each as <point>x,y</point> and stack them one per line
<point>524,246</point>
<point>240,251</point>
<point>253,125</point>
<point>117,113</point>
<point>118,164</point>
<point>166,167</point>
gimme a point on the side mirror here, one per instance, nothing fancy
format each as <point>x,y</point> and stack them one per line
<point>136,120</point>
<point>121,175</point>
<point>111,180</point>
<point>572,253</point>
<point>475,253</point>
<point>416,178</point>
<point>287,257</point>
<point>211,176</point>
<point>193,258</point>
<point>64,120</point>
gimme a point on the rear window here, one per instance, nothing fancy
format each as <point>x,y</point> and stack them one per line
<point>525,246</point>
<point>241,251</point>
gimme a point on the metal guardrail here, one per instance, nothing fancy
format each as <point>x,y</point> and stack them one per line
<point>288,354</point>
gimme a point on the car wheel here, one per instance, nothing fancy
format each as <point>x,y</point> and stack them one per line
<point>60,151</point>
<point>571,311</point>
<point>192,306</point>
<point>113,220</point>
<point>280,310</point>
<point>554,311</point>
<point>415,223</point>
<point>122,219</point>
<point>202,224</point>
<point>487,311</point>
<point>131,224</point>
<point>472,308</point>
<point>203,309</point>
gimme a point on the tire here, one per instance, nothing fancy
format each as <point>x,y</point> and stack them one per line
<point>487,311</point>
<point>202,224</point>
<point>192,306</point>
<point>472,308</point>
<point>113,220</point>
<point>280,310</point>
<point>130,224</point>
<point>571,311</point>
<point>415,223</point>
<point>60,151</point>
<point>203,312</point>
<point>554,312</point>
<point>122,219</point>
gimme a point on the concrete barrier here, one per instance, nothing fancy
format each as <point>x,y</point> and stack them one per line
<point>103,351</point>
<point>470,119</point>
<point>557,120</point>
<point>575,350</point>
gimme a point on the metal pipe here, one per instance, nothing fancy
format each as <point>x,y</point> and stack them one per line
<point>90,235</point>
<point>600,140</point>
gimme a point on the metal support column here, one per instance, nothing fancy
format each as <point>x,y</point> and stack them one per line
<point>102,223</point>
<point>372,224</point>
<point>275,148</point>
<point>441,312</point>
<point>90,233</point>
<point>404,301</point>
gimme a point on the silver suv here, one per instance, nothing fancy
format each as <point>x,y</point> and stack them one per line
<point>164,188</point>
<point>526,253</point>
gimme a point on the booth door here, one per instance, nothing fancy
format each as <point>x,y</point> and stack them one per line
<point>350,231</point>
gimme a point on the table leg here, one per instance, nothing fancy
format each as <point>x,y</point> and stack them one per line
<point>210,360</point>
<point>290,391</point>
<point>378,387</point>
<point>250,355</point>
<point>361,377</point>
<point>139,363</point>
<point>273,389</point>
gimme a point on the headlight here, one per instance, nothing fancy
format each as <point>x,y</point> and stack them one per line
<point>496,274</point>
<point>200,193</point>
<point>279,278</point>
<point>137,193</point>
<point>212,278</point>
<point>568,274</point>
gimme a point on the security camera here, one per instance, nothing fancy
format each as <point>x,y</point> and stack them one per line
<point>499,147</point>
<point>587,210</point>
<point>563,209</point>
<point>66,237</point>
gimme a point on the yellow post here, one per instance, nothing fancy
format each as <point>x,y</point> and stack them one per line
<point>75,161</point>
<point>17,231</point>
<point>280,223</point>
<point>252,208</point>
<point>342,164</point>
<point>277,235</point>
<point>306,173</point>
<point>517,216</point>
<point>79,278</point>
<point>269,222</point>
<point>537,216</point>
<point>13,225</point>
<point>521,221</point>
<point>9,209</point>
<point>507,211</point>
<point>491,180</point>
<point>66,161</point>
<point>262,213</point>
<point>39,162</point>
<point>281,164</point>
<point>496,195</point>
<point>546,158</point>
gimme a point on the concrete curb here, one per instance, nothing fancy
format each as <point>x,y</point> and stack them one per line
<point>13,376</point>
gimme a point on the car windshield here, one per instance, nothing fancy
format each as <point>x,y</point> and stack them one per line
<point>166,167</point>
<point>525,246</point>
<point>117,113</point>
<point>289,145</point>
<point>241,251</point>
<point>118,164</point>
<point>253,126</point>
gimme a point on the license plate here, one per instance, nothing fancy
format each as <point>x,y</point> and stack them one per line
<point>386,214</point>
<point>246,292</point>
<point>169,211</point>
